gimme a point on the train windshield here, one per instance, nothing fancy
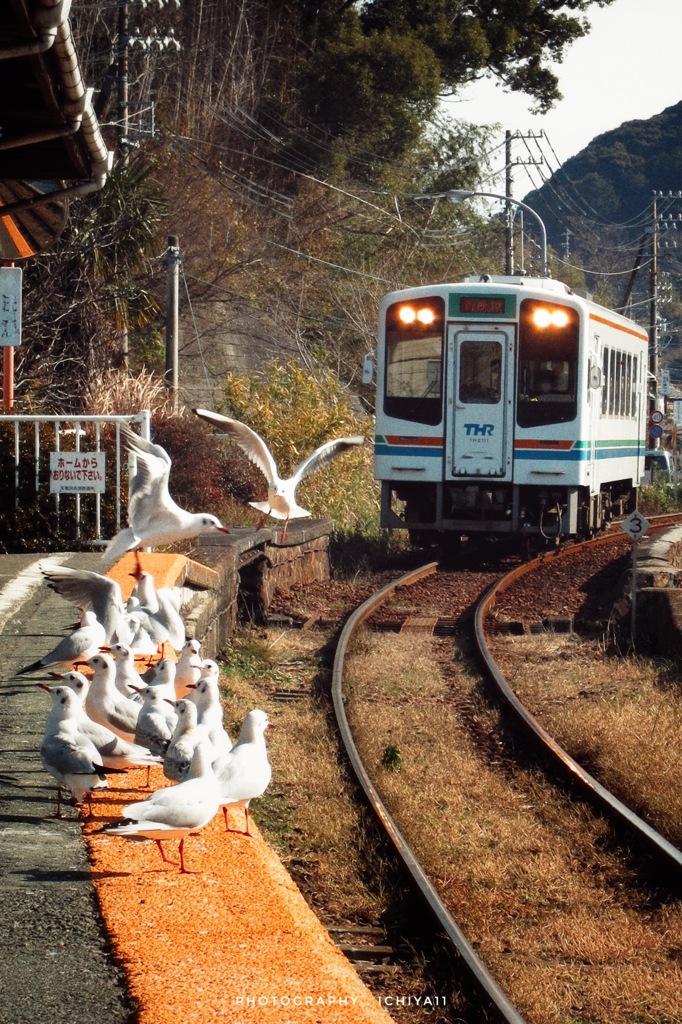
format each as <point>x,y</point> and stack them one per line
<point>547,364</point>
<point>414,360</point>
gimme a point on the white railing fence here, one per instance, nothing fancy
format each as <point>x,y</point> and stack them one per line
<point>75,463</point>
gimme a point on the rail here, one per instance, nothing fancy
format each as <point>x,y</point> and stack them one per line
<point>68,434</point>
<point>667,854</point>
<point>479,976</point>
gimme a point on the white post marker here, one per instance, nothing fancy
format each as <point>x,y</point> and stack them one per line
<point>636,526</point>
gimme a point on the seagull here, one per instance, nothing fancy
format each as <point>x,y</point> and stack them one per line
<point>163,678</point>
<point>114,751</point>
<point>126,677</point>
<point>188,668</point>
<point>174,811</point>
<point>281,502</point>
<point>104,704</point>
<point>244,773</point>
<point>157,612</point>
<point>206,696</point>
<point>70,757</point>
<point>80,645</point>
<point>186,735</point>
<point>154,519</point>
<point>90,591</point>
<point>156,721</point>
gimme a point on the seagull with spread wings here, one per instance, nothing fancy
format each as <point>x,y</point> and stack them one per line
<point>281,501</point>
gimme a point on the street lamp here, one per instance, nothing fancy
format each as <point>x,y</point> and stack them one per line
<point>458,195</point>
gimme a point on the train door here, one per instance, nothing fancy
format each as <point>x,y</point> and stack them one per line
<point>477,442</point>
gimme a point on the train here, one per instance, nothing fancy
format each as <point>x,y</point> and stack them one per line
<point>507,406</point>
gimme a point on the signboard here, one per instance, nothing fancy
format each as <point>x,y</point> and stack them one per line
<point>665,382</point>
<point>635,525</point>
<point>10,305</point>
<point>77,472</point>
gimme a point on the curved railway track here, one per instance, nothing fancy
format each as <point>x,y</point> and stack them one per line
<point>478,978</point>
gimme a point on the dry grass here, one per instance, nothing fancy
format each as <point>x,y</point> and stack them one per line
<point>307,811</point>
<point>527,874</point>
<point>620,718</point>
<point>118,393</point>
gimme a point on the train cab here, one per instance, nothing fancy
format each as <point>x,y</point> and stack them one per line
<point>506,406</point>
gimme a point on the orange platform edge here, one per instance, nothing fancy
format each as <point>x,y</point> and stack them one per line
<point>233,939</point>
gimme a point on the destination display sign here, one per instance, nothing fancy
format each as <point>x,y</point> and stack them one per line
<point>482,305</point>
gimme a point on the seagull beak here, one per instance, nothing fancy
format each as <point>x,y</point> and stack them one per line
<point>56,675</point>
<point>44,686</point>
<point>224,529</point>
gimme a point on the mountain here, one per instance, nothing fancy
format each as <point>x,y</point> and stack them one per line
<point>609,185</point>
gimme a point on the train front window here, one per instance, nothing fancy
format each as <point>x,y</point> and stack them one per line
<point>547,386</point>
<point>414,360</point>
<point>479,372</point>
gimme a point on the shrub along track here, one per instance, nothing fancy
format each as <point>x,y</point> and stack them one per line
<point>623,883</point>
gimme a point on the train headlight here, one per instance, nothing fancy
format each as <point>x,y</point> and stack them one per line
<point>407,314</point>
<point>548,316</point>
<point>426,316</point>
<point>423,315</point>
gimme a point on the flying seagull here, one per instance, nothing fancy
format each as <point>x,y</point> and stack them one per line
<point>154,519</point>
<point>281,502</point>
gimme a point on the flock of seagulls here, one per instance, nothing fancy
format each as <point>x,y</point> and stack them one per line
<point>94,729</point>
<point>106,716</point>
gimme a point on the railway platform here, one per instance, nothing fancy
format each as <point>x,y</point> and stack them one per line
<point>98,928</point>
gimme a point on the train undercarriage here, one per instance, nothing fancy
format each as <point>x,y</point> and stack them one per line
<point>433,512</point>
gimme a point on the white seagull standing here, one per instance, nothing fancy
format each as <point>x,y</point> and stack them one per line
<point>80,645</point>
<point>158,611</point>
<point>188,668</point>
<point>281,502</point>
<point>154,519</point>
<point>126,676</point>
<point>186,735</point>
<point>206,695</point>
<point>245,772</point>
<point>114,751</point>
<point>70,757</point>
<point>156,721</point>
<point>104,704</point>
<point>174,811</point>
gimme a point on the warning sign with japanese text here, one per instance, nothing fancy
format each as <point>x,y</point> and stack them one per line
<point>77,472</point>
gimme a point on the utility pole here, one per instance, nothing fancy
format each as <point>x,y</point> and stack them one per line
<point>510,210</point>
<point>653,295</point>
<point>172,292</point>
<point>122,119</point>
<point>512,206</point>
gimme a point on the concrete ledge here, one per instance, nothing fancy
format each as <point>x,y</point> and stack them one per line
<point>245,567</point>
<point>659,594</point>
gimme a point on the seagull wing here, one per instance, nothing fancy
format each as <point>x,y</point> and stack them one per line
<point>90,591</point>
<point>324,454</point>
<point>253,446</point>
<point>141,446</point>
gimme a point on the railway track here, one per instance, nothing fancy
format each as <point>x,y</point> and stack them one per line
<point>487,993</point>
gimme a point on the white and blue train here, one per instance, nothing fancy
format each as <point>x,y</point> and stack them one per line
<point>507,405</point>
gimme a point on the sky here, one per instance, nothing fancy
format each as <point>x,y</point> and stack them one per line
<point>627,68</point>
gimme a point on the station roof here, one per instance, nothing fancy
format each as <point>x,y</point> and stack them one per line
<point>48,129</point>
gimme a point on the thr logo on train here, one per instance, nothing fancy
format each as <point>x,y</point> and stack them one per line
<point>479,429</point>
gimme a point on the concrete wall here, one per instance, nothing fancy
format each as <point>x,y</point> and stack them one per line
<point>659,594</point>
<point>233,576</point>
